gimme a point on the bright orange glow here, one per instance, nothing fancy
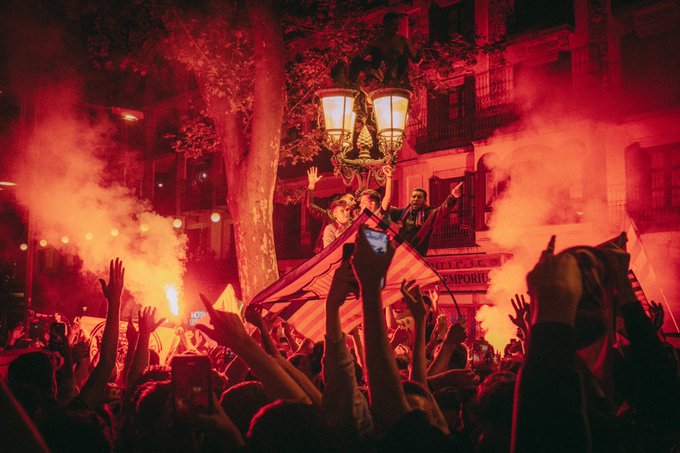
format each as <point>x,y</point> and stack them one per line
<point>338,112</point>
<point>172,295</point>
<point>177,223</point>
<point>23,247</point>
<point>43,243</point>
<point>144,227</point>
<point>391,107</point>
<point>7,183</point>
<point>64,239</point>
<point>215,217</point>
<point>129,117</point>
<point>103,221</point>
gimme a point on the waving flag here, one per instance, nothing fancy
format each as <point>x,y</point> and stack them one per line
<point>299,297</point>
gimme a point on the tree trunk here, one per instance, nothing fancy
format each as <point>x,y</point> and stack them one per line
<point>251,178</point>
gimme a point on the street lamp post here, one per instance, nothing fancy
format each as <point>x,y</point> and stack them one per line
<point>391,108</point>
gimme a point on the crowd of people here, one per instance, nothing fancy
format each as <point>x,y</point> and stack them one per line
<point>588,371</point>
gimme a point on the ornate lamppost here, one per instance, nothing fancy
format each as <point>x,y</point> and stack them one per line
<point>390,106</point>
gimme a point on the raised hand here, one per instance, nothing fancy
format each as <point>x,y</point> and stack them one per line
<point>458,190</point>
<point>522,314</point>
<point>228,329</point>
<point>370,267</point>
<point>414,300</point>
<point>131,333</point>
<point>555,287</point>
<point>401,335</point>
<point>313,177</point>
<point>342,284</point>
<point>253,315</point>
<point>657,314</point>
<point>114,289</point>
<point>388,171</point>
<point>441,326</point>
<point>434,297</point>
<point>147,320</point>
<point>16,333</point>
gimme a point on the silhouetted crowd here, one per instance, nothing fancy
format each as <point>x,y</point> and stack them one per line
<point>588,371</point>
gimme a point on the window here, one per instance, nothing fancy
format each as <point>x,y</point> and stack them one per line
<point>532,15</point>
<point>653,184</point>
<point>458,229</point>
<point>457,19</point>
<point>649,70</point>
<point>457,104</point>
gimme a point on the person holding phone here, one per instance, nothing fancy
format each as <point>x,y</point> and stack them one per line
<point>417,221</point>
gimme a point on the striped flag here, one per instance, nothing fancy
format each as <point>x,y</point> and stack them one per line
<point>637,288</point>
<point>641,273</point>
<point>299,297</point>
<point>639,261</point>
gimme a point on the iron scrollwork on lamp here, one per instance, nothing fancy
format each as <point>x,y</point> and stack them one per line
<point>390,106</point>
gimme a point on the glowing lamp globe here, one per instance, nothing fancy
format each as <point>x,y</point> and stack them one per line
<point>89,236</point>
<point>64,239</point>
<point>391,109</point>
<point>215,217</point>
<point>115,232</point>
<point>43,243</point>
<point>144,227</point>
<point>23,247</point>
<point>338,115</point>
<point>177,223</point>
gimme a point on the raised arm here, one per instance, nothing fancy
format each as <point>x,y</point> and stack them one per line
<point>550,363</point>
<point>229,331</point>
<point>454,337</point>
<point>657,397</point>
<point>147,325</point>
<point>345,407</point>
<point>416,305</point>
<point>131,337</point>
<point>438,214</point>
<point>93,392</point>
<point>315,210</point>
<point>388,400</point>
<point>385,205</point>
<point>254,316</point>
<point>66,381</point>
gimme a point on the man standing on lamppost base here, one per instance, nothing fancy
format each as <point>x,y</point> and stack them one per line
<point>417,221</point>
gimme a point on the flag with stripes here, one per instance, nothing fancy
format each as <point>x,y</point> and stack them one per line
<point>641,274</point>
<point>637,289</point>
<point>639,261</point>
<point>299,297</point>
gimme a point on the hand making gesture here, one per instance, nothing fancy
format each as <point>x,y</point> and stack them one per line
<point>313,177</point>
<point>114,289</point>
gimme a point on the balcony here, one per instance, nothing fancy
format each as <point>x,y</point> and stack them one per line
<point>451,235</point>
<point>492,107</point>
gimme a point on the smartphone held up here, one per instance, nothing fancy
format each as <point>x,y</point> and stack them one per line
<point>191,386</point>
<point>57,336</point>
<point>377,240</point>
